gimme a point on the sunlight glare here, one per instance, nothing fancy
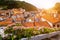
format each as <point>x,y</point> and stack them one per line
<point>46,4</point>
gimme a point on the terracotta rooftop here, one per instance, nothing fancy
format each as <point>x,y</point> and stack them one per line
<point>37,24</point>
<point>50,18</point>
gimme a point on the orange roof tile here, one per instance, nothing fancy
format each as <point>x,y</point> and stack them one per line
<point>45,24</point>
<point>37,24</point>
<point>50,18</point>
<point>28,24</point>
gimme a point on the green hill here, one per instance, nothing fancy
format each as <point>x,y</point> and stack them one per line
<point>17,4</point>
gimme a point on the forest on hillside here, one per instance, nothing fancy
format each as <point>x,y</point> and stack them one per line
<point>17,4</point>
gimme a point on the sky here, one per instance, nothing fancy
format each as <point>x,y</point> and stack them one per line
<point>42,3</point>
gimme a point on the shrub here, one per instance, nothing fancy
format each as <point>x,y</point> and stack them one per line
<point>26,33</point>
<point>46,30</point>
<point>0,37</point>
<point>18,24</point>
<point>19,33</point>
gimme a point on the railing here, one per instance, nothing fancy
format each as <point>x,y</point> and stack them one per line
<point>50,36</point>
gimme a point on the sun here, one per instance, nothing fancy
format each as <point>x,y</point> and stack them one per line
<point>47,6</point>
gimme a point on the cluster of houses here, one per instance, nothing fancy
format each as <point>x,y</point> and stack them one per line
<point>29,19</point>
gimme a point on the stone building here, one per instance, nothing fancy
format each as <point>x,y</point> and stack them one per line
<point>57,24</point>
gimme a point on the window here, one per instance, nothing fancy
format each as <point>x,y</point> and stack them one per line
<point>7,13</point>
<point>53,25</point>
<point>58,25</point>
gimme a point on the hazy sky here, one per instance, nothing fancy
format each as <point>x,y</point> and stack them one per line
<point>42,3</point>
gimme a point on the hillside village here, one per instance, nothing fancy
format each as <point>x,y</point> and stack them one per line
<point>40,18</point>
<point>29,19</point>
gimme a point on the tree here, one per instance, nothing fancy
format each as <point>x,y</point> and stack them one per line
<point>57,7</point>
<point>17,4</point>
